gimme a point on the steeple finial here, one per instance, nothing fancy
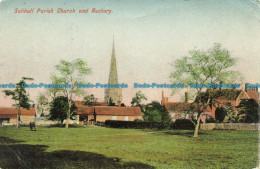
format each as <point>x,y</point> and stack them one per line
<point>113,42</point>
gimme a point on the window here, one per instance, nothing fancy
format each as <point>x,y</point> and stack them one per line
<point>126,118</point>
<point>114,118</point>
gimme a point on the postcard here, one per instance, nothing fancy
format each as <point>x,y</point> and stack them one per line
<point>129,84</point>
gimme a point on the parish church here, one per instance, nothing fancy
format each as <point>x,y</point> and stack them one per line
<point>102,111</point>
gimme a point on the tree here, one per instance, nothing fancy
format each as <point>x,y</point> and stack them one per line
<point>204,67</point>
<point>111,102</point>
<point>20,97</point>
<point>155,112</point>
<point>248,111</point>
<point>72,73</point>
<point>59,108</point>
<point>90,100</point>
<point>231,114</point>
<point>139,97</point>
<point>54,91</point>
<point>220,114</point>
<point>42,102</point>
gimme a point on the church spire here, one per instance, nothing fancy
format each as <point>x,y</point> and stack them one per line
<point>114,93</point>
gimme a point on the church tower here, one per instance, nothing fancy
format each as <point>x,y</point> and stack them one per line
<point>114,93</point>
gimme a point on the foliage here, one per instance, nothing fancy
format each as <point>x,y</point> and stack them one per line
<point>155,112</point>
<point>203,67</point>
<point>134,124</point>
<point>232,117</point>
<point>111,102</point>
<point>183,124</point>
<point>139,97</point>
<point>42,102</point>
<point>53,91</point>
<point>210,120</point>
<point>123,105</point>
<point>20,96</point>
<point>72,73</point>
<point>220,114</point>
<point>59,107</point>
<point>90,100</point>
<point>248,111</point>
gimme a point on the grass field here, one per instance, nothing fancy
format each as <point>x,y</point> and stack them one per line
<point>98,147</point>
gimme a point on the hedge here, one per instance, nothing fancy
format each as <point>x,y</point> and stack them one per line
<point>134,124</point>
<point>183,124</point>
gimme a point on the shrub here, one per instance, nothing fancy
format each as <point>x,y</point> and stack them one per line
<point>100,123</point>
<point>63,125</point>
<point>183,124</point>
<point>134,124</point>
<point>210,120</point>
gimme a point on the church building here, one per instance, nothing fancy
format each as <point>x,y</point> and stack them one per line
<point>113,93</point>
<point>102,111</point>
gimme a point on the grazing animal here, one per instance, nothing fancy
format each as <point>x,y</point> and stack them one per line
<point>32,126</point>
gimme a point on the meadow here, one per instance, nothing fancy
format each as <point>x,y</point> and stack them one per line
<point>100,147</point>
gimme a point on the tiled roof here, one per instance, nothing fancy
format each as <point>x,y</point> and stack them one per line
<point>108,110</point>
<point>85,109</point>
<point>11,112</point>
<point>183,106</point>
<point>253,95</point>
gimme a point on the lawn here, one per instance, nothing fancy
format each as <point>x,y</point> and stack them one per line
<point>98,147</point>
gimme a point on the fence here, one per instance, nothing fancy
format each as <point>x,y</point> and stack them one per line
<point>230,126</point>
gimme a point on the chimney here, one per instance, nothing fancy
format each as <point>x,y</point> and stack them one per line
<point>118,103</point>
<point>163,99</point>
<point>186,97</point>
<point>246,87</point>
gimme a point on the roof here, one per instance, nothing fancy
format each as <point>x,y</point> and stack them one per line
<point>11,112</point>
<point>84,109</point>
<point>117,111</point>
<point>224,94</point>
<point>183,106</point>
<point>253,95</point>
<point>107,110</point>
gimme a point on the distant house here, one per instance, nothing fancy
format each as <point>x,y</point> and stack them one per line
<point>184,110</point>
<point>8,115</point>
<point>187,110</point>
<point>103,113</point>
<point>234,98</point>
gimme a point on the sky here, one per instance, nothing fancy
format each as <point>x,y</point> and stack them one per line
<point>149,36</point>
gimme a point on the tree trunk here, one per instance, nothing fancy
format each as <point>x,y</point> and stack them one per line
<point>17,118</point>
<point>196,132</point>
<point>68,116</point>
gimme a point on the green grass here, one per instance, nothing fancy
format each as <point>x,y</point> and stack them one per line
<point>96,147</point>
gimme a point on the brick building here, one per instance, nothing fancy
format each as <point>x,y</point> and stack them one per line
<point>187,110</point>
<point>8,116</point>
<point>184,110</point>
<point>103,113</point>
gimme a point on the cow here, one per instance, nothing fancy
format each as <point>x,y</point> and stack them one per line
<point>32,126</point>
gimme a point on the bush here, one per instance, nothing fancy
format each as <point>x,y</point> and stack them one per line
<point>63,125</point>
<point>183,124</point>
<point>134,124</point>
<point>210,120</point>
<point>100,123</point>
